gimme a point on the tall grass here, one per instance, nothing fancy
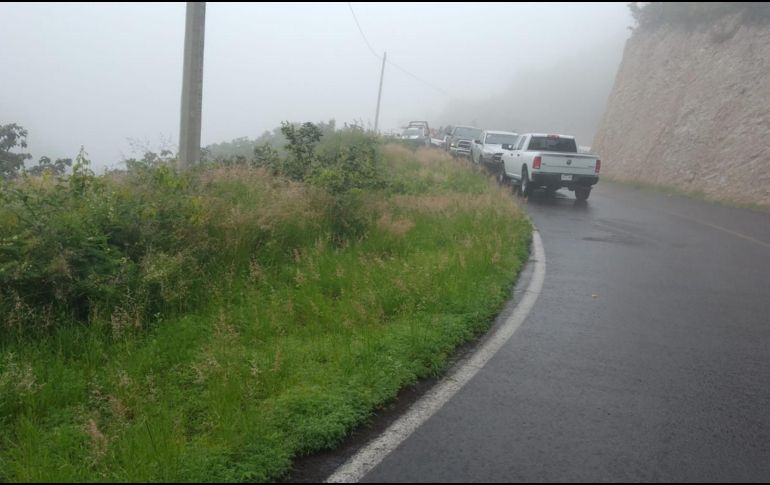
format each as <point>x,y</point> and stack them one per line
<point>235,332</point>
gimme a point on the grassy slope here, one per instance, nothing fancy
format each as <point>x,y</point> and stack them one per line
<point>279,363</point>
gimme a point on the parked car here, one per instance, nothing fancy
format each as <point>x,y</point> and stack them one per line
<point>416,136</point>
<point>488,148</point>
<point>460,140</point>
<point>550,161</point>
<point>419,124</point>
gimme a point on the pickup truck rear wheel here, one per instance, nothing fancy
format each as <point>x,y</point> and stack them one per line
<point>582,193</point>
<point>526,188</point>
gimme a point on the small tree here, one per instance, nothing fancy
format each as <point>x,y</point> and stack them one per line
<point>301,148</point>
<point>12,136</point>
<point>82,175</point>
<point>267,156</point>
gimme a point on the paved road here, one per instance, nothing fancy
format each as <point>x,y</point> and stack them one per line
<point>646,358</point>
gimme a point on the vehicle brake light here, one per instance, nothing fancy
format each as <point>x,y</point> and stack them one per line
<point>553,136</point>
<point>598,165</point>
<point>536,163</point>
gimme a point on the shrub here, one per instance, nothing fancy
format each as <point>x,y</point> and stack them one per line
<point>146,242</point>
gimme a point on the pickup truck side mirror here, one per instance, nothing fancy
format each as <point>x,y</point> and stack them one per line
<point>507,146</point>
<point>477,141</point>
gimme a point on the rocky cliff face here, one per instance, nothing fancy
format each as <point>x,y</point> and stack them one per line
<point>690,109</point>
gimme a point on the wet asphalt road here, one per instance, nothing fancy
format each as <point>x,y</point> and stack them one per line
<point>646,357</point>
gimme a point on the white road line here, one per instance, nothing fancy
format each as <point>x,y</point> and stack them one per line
<point>376,450</point>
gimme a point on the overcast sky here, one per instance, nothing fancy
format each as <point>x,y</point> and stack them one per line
<point>98,74</point>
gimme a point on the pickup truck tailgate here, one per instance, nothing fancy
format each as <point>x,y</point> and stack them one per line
<point>568,163</point>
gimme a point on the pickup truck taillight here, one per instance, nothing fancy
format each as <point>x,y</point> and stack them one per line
<point>536,163</point>
<point>598,165</point>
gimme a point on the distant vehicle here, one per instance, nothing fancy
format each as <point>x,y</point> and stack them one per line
<point>460,140</point>
<point>550,161</point>
<point>428,132</point>
<point>488,148</point>
<point>416,136</point>
<point>419,124</point>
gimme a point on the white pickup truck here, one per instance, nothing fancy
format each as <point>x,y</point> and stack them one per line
<point>550,161</point>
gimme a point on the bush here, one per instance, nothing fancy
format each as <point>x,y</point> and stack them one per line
<point>343,163</point>
<point>146,242</point>
<point>142,244</point>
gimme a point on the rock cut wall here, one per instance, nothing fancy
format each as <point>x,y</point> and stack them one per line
<point>690,108</point>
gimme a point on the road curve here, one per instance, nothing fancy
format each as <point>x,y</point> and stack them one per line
<point>646,357</point>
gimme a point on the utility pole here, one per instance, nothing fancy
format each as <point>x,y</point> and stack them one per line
<point>379,94</point>
<point>192,85</point>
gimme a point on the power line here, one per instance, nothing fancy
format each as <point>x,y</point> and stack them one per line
<point>362,32</point>
<point>371,49</point>
<point>419,79</point>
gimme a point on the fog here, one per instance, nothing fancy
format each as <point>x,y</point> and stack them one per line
<point>98,75</point>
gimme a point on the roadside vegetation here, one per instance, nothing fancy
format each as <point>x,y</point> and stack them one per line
<point>216,323</point>
<point>651,15</point>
